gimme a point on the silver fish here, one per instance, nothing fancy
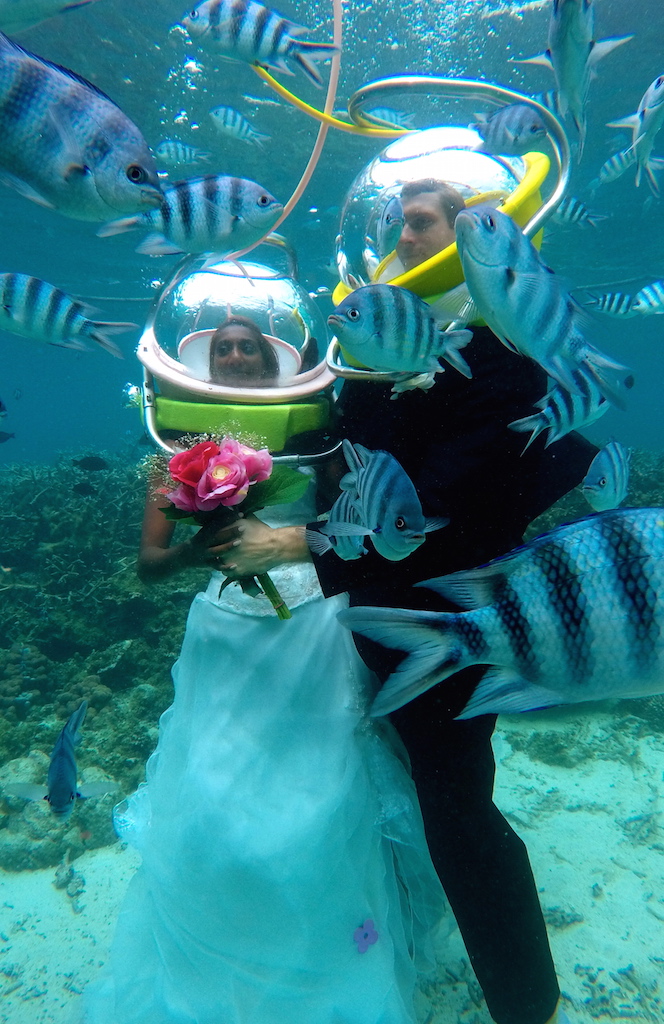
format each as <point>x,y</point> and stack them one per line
<point>62,790</point>
<point>572,55</point>
<point>17,15</point>
<point>560,412</point>
<point>612,304</point>
<point>248,31</point>
<point>573,211</point>
<point>389,226</point>
<point>525,304</point>
<point>175,153</point>
<point>215,213</point>
<point>645,125</point>
<point>398,118</point>
<point>389,328</point>
<point>551,100</point>
<point>65,145</point>
<point>511,131</point>
<point>650,300</point>
<point>614,168</point>
<point>34,309</point>
<point>575,615</point>
<point>347,546</point>
<point>385,501</point>
<point>234,124</point>
<point>606,483</point>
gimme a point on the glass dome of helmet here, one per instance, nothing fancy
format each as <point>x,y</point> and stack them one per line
<point>204,292</point>
<point>444,153</point>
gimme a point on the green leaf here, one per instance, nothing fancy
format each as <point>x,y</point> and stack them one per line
<point>178,515</point>
<point>281,488</point>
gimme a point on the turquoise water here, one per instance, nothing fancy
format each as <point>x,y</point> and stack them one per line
<point>75,621</point>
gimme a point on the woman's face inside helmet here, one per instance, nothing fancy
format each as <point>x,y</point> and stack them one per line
<point>241,357</point>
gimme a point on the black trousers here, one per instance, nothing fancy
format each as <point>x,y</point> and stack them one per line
<point>481,862</point>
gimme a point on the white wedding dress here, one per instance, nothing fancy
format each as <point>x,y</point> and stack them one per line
<point>285,877</point>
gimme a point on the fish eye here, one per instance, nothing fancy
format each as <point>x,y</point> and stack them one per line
<point>264,200</point>
<point>352,313</point>
<point>136,174</point>
<point>193,14</point>
<point>535,129</point>
<point>400,523</point>
<point>602,482</point>
<point>490,222</point>
<point>659,81</point>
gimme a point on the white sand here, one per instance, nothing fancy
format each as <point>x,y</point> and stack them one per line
<point>596,843</point>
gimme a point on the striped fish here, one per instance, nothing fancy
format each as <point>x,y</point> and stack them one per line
<point>606,483</point>
<point>551,100</point>
<point>650,299</point>
<point>390,328</point>
<point>384,499</point>
<point>525,304</point>
<point>248,31</point>
<point>347,546</point>
<point>614,167</point>
<point>612,304</point>
<point>62,790</point>
<point>573,211</point>
<point>215,213</point>
<point>399,118</point>
<point>231,122</point>
<point>65,145</point>
<point>560,411</point>
<point>645,125</point>
<point>511,131</point>
<point>34,309</point>
<point>575,615</point>
<point>175,153</point>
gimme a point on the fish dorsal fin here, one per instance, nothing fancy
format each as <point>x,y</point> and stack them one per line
<point>11,44</point>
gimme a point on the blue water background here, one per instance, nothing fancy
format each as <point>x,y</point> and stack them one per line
<point>61,400</point>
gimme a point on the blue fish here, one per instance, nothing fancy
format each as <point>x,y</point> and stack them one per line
<point>378,501</point>
<point>62,790</point>
<point>606,483</point>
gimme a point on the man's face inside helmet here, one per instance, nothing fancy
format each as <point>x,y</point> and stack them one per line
<point>428,221</point>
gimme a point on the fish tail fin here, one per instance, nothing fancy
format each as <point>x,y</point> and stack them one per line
<point>101,331</point>
<point>75,721</point>
<point>118,227</point>
<point>535,423</point>
<point>454,341</point>
<point>652,180</point>
<point>259,139</point>
<point>434,643</point>
<point>306,54</point>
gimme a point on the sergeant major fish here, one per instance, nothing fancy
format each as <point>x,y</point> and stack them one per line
<point>234,124</point>
<point>616,304</point>
<point>560,412</point>
<point>248,31</point>
<point>574,615</point>
<point>390,328</point>
<point>572,56</point>
<point>650,300</point>
<point>34,309</point>
<point>175,153</point>
<point>606,483</point>
<point>383,498</point>
<point>511,131</point>
<point>215,213</point>
<point>335,537</point>
<point>62,789</point>
<point>645,125</point>
<point>573,211</point>
<point>65,145</point>
<point>524,303</point>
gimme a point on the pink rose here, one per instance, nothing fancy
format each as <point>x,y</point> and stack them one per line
<point>188,467</point>
<point>224,482</point>
<point>258,464</point>
<point>184,497</point>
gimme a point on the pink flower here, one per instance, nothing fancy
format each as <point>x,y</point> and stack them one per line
<point>184,497</point>
<point>224,482</point>
<point>258,464</point>
<point>210,475</point>
<point>365,936</point>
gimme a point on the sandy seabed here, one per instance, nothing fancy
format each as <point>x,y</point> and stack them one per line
<point>583,789</point>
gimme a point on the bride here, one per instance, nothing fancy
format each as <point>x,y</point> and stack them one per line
<point>285,877</point>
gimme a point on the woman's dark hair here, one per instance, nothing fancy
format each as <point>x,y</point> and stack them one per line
<point>270,370</point>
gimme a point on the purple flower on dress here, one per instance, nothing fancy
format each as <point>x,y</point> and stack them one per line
<point>365,936</point>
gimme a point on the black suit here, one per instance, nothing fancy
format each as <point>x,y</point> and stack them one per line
<point>454,443</point>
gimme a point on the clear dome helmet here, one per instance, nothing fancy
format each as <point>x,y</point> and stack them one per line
<point>178,394</point>
<point>444,153</point>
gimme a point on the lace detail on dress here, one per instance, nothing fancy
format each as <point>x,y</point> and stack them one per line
<point>297,584</point>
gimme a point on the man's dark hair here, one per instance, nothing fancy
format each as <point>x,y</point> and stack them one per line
<point>270,369</point>
<point>451,201</point>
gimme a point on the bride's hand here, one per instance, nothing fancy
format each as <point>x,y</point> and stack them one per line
<point>261,547</point>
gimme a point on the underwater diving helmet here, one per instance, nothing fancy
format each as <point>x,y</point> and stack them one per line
<point>365,248</point>
<point>178,395</point>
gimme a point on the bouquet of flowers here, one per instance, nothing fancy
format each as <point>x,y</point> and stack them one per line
<point>215,481</point>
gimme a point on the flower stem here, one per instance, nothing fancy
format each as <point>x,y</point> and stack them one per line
<point>274,596</point>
